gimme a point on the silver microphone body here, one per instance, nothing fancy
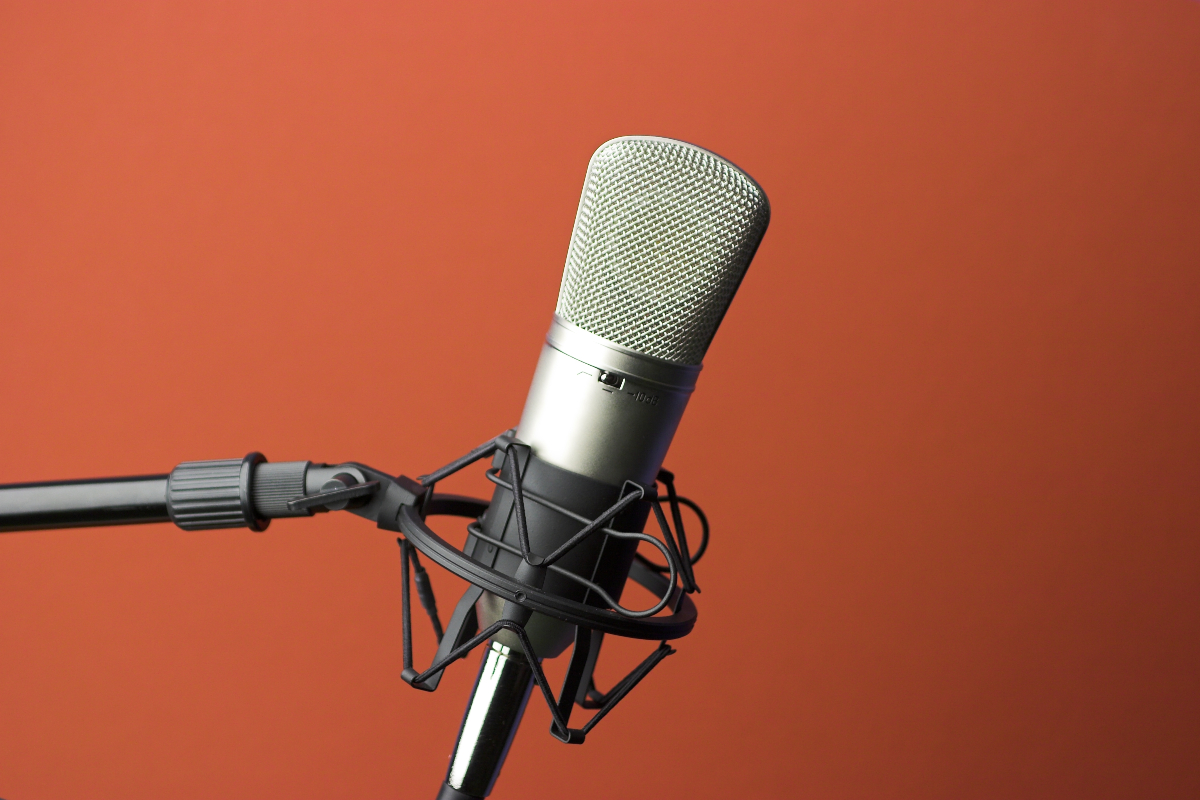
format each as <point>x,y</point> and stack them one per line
<point>664,234</point>
<point>602,410</point>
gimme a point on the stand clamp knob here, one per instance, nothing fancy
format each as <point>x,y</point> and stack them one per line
<point>203,495</point>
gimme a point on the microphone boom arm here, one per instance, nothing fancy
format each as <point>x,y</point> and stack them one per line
<point>249,492</point>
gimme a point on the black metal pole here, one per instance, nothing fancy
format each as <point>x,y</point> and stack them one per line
<point>75,504</point>
<point>197,495</point>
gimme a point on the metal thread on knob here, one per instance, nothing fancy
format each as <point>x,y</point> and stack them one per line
<point>277,484</point>
<point>206,495</point>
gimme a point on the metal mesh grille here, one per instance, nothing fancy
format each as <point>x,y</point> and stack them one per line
<point>664,233</point>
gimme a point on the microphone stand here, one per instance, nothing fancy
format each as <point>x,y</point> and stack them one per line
<point>250,492</point>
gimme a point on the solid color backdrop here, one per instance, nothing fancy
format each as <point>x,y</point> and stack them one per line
<point>947,436</point>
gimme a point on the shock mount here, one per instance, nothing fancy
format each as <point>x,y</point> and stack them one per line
<point>249,492</point>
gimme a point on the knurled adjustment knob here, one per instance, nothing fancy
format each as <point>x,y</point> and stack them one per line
<point>204,495</point>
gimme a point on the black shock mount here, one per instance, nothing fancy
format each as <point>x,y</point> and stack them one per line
<point>578,581</point>
<point>598,614</point>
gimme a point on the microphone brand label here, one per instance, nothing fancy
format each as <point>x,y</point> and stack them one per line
<point>642,397</point>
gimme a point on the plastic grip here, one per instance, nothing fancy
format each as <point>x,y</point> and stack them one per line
<point>207,495</point>
<point>235,493</point>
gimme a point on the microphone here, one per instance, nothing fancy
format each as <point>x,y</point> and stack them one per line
<point>663,236</point>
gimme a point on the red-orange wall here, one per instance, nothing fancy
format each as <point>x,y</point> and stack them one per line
<point>947,437</point>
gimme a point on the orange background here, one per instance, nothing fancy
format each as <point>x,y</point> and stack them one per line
<point>947,436</point>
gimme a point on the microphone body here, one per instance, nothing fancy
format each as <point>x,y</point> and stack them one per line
<point>664,234</point>
<point>596,415</point>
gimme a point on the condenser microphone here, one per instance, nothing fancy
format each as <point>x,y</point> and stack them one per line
<point>663,236</point>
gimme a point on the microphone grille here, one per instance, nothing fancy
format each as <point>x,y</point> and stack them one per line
<point>664,233</point>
